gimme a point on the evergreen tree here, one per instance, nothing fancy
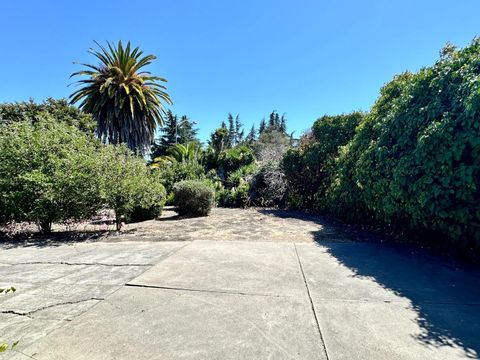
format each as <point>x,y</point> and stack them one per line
<point>262,127</point>
<point>271,120</point>
<point>231,131</point>
<point>167,137</point>
<point>283,124</point>
<point>186,132</point>
<point>238,130</point>
<point>251,136</point>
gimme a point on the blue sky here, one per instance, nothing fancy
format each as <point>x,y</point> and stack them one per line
<point>304,58</point>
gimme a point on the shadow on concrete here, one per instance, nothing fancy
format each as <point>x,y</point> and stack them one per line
<point>444,294</point>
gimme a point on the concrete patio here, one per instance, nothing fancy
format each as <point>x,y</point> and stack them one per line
<point>265,285</point>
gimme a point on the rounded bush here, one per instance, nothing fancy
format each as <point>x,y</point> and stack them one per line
<point>193,198</point>
<point>157,195</point>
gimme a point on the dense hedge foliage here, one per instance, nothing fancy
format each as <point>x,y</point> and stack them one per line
<point>58,110</point>
<point>173,172</point>
<point>193,198</point>
<point>412,163</point>
<point>415,161</point>
<point>308,167</point>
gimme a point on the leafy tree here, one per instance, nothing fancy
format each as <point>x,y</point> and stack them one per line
<point>59,110</point>
<point>126,101</point>
<point>49,173</point>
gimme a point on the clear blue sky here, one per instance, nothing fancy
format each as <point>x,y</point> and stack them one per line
<point>303,58</point>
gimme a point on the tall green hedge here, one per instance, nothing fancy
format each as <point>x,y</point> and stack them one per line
<point>308,167</point>
<point>414,162</point>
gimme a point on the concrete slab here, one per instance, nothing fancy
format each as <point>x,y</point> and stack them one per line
<point>25,330</point>
<point>398,331</point>
<point>378,302</point>
<point>249,267</point>
<point>124,253</point>
<point>145,323</point>
<point>359,271</point>
<point>30,300</point>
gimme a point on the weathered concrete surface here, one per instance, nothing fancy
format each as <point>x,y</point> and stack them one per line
<point>382,302</point>
<point>57,283</point>
<point>230,266</point>
<point>145,323</point>
<point>279,295</point>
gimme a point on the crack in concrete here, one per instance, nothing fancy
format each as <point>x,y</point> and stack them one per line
<point>30,313</point>
<point>204,290</point>
<point>76,263</point>
<point>322,339</point>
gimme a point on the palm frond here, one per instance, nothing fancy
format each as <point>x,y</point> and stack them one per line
<point>106,88</point>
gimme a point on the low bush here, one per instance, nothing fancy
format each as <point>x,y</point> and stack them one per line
<point>193,198</point>
<point>235,197</point>
<point>153,210</point>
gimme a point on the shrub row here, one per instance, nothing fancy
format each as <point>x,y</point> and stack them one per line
<point>51,171</point>
<point>413,162</point>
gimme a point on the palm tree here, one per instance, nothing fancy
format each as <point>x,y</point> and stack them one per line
<point>127,103</point>
<point>186,153</point>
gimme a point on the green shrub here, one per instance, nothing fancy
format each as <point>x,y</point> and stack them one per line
<point>236,196</point>
<point>59,110</point>
<point>151,211</point>
<point>49,172</point>
<point>128,184</point>
<point>414,163</point>
<point>173,172</point>
<point>233,159</point>
<point>193,198</point>
<point>308,168</point>
<point>239,176</point>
